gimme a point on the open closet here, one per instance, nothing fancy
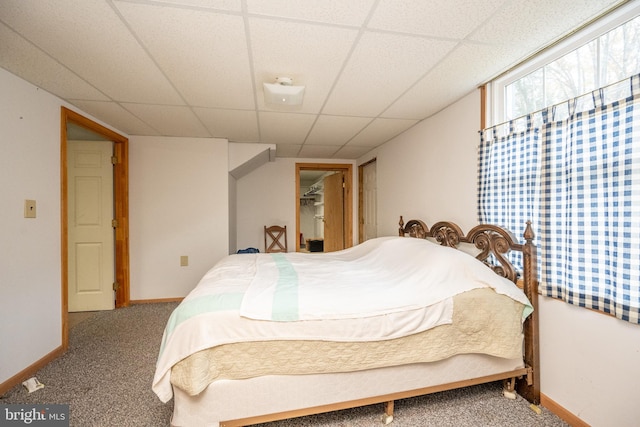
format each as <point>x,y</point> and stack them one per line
<point>324,207</point>
<point>312,210</point>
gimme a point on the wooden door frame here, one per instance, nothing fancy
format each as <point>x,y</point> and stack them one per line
<point>121,211</point>
<point>347,169</point>
<point>361,199</point>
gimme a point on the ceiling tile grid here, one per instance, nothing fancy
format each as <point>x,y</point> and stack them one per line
<point>339,12</point>
<point>283,128</point>
<point>379,131</point>
<point>204,54</point>
<point>237,125</point>
<point>168,120</point>
<point>382,67</point>
<point>335,130</point>
<point>195,68</point>
<point>442,19</point>
<point>111,112</point>
<point>230,5</point>
<point>22,58</point>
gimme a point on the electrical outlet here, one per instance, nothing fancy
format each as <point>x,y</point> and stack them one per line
<point>184,261</point>
<point>29,208</point>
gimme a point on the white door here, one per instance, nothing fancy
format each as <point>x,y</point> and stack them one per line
<point>90,231</point>
<point>370,201</point>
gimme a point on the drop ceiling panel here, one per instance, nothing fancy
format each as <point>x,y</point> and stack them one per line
<point>458,74</point>
<point>351,152</point>
<point>556,17</point>
<point>209,68</point>
<point>288,150</point>
<point>327,11</point>
<point>278,52</point>
<point>380,131</point>
<point>283,128</point>
<point>111,112</point>
<point>233,5</point>
<point>333,130</point>
<point>234,125</point>
<point>90,39</point>
<point>380,70</point>
<point>318,151</point>
<point>24,59</point>
<point>438,18</point>
<point>169,120</point>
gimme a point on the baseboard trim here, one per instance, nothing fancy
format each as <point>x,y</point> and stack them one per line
<point>154,301</point>
<point>29,371</point>
<point>561,412</point>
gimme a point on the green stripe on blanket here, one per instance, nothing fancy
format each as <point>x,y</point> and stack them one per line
<point>285,297</point>
<point>201,305</point>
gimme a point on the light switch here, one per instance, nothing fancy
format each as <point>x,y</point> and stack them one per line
<point>184,261</point>
<point>29,208</point>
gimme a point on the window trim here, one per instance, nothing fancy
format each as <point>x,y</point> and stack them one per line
<point>496,88</point>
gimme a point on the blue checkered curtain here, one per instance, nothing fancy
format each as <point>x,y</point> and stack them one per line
<point>578,180</point>
<point>590,230</point>
<point>509,177</point>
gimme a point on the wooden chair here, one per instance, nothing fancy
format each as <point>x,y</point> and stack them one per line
<point>275,238</point>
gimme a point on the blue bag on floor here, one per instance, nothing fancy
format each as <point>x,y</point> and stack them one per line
<point>248,251</point>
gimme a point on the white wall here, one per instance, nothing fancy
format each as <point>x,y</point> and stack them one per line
<point>178,205</point>
<point>30,284</point>
<point>413,168</point>
<point>267,196</point>
<point>233,215</point>
<point>179,196</point>
<point>590,363</point>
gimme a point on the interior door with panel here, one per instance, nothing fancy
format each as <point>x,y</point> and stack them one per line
<point>334,212</point>
<point>91,241</point>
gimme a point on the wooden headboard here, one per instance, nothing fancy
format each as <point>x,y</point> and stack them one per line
<point>493,240</point>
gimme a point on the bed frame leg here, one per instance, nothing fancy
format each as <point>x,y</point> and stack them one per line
<point>388,412</point>
<point>509,388</point>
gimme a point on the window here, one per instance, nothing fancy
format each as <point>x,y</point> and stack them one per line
<point>600,55</point>
<point>571,164</point>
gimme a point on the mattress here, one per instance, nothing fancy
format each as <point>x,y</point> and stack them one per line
<point>484,322</point>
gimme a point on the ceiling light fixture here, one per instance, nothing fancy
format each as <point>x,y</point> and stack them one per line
<point>282,92</point>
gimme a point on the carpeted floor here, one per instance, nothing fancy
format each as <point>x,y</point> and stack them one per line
<point>106,377</point>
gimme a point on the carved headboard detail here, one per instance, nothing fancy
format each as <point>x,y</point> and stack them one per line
<point>414,228</point>
<point>491,240</point>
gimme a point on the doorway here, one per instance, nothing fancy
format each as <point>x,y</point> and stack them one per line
<point>333,221</point>
<point>73,123</point>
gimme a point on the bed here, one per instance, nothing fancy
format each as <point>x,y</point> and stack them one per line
<point>272,336</point>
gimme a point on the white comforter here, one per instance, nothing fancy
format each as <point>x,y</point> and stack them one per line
<point>385,288</point>
<point>381,276</point>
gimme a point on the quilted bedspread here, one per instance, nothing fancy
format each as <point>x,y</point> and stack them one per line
<point>484,322</point>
